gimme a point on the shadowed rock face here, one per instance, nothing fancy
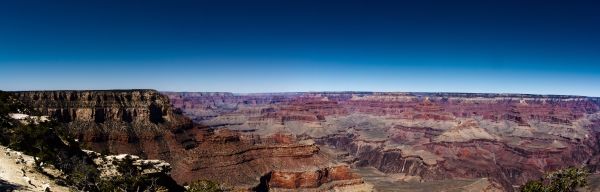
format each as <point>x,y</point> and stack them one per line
<point>142,122</point>
<point>509,138</point>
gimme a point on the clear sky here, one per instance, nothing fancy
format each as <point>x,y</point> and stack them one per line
<point>545,47</point>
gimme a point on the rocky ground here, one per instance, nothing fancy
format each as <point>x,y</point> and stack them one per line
<point>17,173</point>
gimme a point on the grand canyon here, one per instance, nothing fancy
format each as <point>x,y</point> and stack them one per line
<point>337,141</point>
<point>300,96</point>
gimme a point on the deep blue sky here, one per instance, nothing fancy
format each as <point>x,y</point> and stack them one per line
<point>547,47</point>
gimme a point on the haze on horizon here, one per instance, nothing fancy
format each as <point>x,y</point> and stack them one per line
<point>509,46</point>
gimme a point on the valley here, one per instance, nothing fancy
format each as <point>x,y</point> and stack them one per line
<point>336,141</point>
<point>507,139</point>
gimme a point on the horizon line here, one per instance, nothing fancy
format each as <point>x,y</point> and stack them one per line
<point>293,92</point>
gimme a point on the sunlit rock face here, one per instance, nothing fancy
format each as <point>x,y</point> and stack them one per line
<point>509,138</point>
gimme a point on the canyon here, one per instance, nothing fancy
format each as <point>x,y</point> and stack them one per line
<point>506,139</point>
<point>143,123</point>
<point>336,141</point>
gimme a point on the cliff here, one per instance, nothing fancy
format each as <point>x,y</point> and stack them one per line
<point>48,158</point>
<point>115,121</point>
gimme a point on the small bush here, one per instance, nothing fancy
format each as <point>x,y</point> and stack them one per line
<point>565,180</point>
<point>533,186</point>
<point>204,186</point>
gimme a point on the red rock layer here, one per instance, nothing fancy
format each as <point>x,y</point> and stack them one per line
<point>310,179</point>
<point>239,161</point>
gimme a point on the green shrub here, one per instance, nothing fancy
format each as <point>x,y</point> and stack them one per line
<point>568,179</point>
<point>533,186</point>
<point>565,180</point>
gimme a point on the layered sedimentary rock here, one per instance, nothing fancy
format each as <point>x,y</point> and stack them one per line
<point>253,163</point>
<point>143,123</point>
<point>508,138</point>
<point>122,121</point>
<point>339,177</point>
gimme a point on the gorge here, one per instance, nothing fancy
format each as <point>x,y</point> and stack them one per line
<point>143,123</point>
<point>507,138</point>
<point>321,141</point>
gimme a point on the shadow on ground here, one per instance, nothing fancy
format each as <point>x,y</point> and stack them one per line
<point>7,186</point>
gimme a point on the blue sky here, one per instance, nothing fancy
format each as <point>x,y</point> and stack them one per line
<point>544,47</point>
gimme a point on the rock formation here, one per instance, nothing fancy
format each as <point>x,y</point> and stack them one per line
<point>107,165</point>
<point>253,163</point>
<point>18,173</point>
<point>134,121</point>
<point>508,138</point>
<point>143,123</point>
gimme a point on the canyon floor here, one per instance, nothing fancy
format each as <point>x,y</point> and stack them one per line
<point>406,183</point>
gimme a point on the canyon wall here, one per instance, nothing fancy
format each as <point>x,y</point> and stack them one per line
<point>137,122</point>
<point>143,122</point>
<point>509,138</point>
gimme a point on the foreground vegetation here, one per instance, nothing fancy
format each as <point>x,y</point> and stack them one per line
<point>565,180</point>
<point>204,186</point>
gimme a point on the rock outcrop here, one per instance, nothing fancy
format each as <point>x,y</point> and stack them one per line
<point>137,122</point>
<point>508,138</point>
<point>244,162</point>
<point>338,177</point>
<point>108,164</point>
<point>18,173</point>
